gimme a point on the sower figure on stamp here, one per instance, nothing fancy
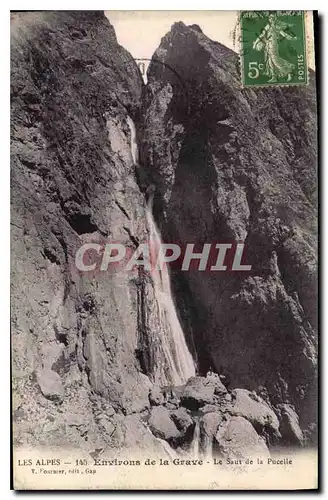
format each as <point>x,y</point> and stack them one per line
<point>276,66</point>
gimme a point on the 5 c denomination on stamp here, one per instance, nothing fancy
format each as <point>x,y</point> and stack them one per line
<point>273,48</point>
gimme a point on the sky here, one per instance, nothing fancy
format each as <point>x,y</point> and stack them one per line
<point>140,32</point>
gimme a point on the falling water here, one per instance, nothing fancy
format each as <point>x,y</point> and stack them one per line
<point>176,352</point>
<point>134,144</point>
<point>194,448</point>
<point>178,365</point>
<point>207,446</point>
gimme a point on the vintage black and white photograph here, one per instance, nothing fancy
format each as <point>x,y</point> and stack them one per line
<point>164,250</point>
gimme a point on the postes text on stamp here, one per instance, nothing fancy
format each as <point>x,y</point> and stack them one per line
<point>273,48</point>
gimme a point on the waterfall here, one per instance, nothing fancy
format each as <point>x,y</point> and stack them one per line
<point>207,447</point>
<point>194,447</point>
<point>134,144</point>
<point>176,365</point>
<point>177,356</point>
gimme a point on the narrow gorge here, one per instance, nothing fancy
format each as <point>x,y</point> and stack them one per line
<point>164,360</point>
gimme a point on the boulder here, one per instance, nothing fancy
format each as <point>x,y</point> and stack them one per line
<point>182,420</point>
<point>236,438</point>
<point>208,427</point>
<point>216,380</point>
<point>289,426</point>
<point>209,423</point>
<point>250,406</point>
<point>209,409</point>
<point>162,425</point>
<point>198,392</point>
<point>50,385</point>
<point>138,438</point>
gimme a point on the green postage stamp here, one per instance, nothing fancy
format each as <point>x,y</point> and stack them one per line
<point>273,48</point>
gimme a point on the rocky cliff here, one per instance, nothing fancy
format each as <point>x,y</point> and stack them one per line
<point>75,337</point>
<point>227,164</point>
<point>233,164</point>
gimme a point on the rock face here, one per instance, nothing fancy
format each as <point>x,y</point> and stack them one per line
<point>232,164</point>
<point>209,424</point>
<point>182,420</point>
<point>73,182</point>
